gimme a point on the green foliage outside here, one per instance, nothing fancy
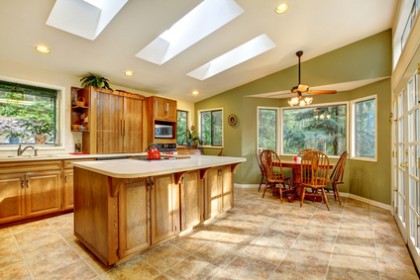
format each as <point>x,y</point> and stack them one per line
<point>321,128</point>
<point>24,116</point>
<point>365,128</point>
<point>267,129</point>
<point>182,126</point>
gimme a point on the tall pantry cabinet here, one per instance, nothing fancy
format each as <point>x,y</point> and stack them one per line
<point>115,121</point>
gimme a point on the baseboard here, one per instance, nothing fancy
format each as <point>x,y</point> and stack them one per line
<point>343,194</point>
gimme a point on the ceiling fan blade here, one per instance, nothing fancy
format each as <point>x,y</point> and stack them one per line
<point>325,91</point>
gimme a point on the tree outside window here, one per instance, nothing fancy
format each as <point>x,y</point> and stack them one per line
<point>364,128</point>
<point>322,128</point>
<point>182,126</point>
<point>211,127</point>
<point>267,128</point>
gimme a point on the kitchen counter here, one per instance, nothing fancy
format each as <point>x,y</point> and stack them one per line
<point>135,168</point>
<point>30,157</point>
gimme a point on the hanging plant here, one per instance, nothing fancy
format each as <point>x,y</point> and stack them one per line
<point>95,81</point>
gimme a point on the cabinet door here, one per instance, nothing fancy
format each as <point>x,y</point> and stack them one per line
<point>165,109</point>
<point>43,193</point>
<point>68,190</point>
<point>11,197</point>
<point>191,200</point>
<point>134,223</point>
<point>109,124</point>
<point>213,192</point>
<point>133,125</point>
<point>164,208</point>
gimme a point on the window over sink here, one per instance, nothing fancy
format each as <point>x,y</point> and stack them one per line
<point>28,114</point>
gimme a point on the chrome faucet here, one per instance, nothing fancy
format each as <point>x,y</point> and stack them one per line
<point>20,151</point>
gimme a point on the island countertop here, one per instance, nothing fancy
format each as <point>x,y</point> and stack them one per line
<point>135,168</point>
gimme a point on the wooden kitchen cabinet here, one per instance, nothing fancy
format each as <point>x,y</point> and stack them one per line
<point>161,111</point>
<point>218,191</point>
<point>191,196</point>
<point>164,208</point>
<point>31,194</point>
<point>68,199</point>
<point>115,122</point>
<point>11,197</point>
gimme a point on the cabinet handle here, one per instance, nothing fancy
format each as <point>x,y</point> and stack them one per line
<point>22,183</point>
<point>27,183</point>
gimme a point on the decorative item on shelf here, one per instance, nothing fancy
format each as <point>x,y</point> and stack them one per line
<point>13,135</point>
<point>232,119</point>
<point>80,102</point>
<point>95,81</point>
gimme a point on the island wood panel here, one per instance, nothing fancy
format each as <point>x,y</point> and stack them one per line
<point>227,188</point>
<point>219,191</point>
<point>191,200</point>
<point>96,214</point>
<point>165,219</point>
<point>134,221</point>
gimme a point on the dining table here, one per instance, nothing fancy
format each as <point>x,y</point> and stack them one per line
<point>295,165</point>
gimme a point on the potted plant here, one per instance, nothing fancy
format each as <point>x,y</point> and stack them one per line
<point>192,139</point>
<point>13,135</point>
<point>95,80</point>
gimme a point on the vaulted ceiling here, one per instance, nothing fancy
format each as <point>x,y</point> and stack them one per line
<point>316,27</point>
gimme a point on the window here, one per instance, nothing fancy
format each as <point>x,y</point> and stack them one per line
<point>211,127</point>
<point>267,128</point>
<point>28,114</point>
<point>322,128</point>
<point>182,126</point>
<point>364,128</point>
<point>410,21</point>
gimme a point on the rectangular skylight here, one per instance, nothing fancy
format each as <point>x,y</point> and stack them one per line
<point>201,21</point>
<point>242,53</point>
<point>84,18</point>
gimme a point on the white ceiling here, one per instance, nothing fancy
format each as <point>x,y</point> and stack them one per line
<point>316,27</point>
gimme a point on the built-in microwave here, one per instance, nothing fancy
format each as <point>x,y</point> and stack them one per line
<point>163,131</point>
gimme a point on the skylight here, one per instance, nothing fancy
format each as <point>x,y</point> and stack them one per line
<point>242,53</point>
<point>201,21</point>
<point>84,18</point>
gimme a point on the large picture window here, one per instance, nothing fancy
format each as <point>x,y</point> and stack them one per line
<point>267,127</point>
<point>211,127</point>
<point>322,128</point>
<point>182,126</point>
<point>28,114</point>
<point>364,128</point>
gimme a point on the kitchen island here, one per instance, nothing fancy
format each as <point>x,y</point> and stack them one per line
<point>122,207</point>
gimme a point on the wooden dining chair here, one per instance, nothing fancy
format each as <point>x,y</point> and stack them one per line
<point>262,179</point>
<point>337,175</point>
<point>303,151</point>
<point>314,174</point>
<point>273,171</point>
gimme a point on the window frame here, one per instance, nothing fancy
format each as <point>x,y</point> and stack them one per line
<point>223,126</point>
<point>353,128</point>
<point>60,142</point>
<point>279,126</point>
<point>346,103</point>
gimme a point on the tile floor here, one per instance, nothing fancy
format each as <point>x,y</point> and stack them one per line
<point>258,239</point>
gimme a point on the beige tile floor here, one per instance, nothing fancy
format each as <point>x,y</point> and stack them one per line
<point>258,239</point>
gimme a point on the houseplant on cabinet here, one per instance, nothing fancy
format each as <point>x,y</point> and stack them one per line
<point>95,80</point>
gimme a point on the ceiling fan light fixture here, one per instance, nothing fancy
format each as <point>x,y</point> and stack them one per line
<point>300,100</point>
<point>281,8</point>
<point>293,101</point>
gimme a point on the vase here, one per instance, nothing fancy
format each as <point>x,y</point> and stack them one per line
<point>40,139</point>
<point>14,140</point>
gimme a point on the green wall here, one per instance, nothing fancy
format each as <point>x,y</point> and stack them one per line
<point>365,59</point>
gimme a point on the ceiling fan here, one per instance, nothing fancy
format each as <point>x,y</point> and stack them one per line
<point>300,88</point>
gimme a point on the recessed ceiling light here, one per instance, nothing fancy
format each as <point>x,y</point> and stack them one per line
<point>129,73</point>
<point>281,8</point>
<point>194,92</point>
<point>42,49</point>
